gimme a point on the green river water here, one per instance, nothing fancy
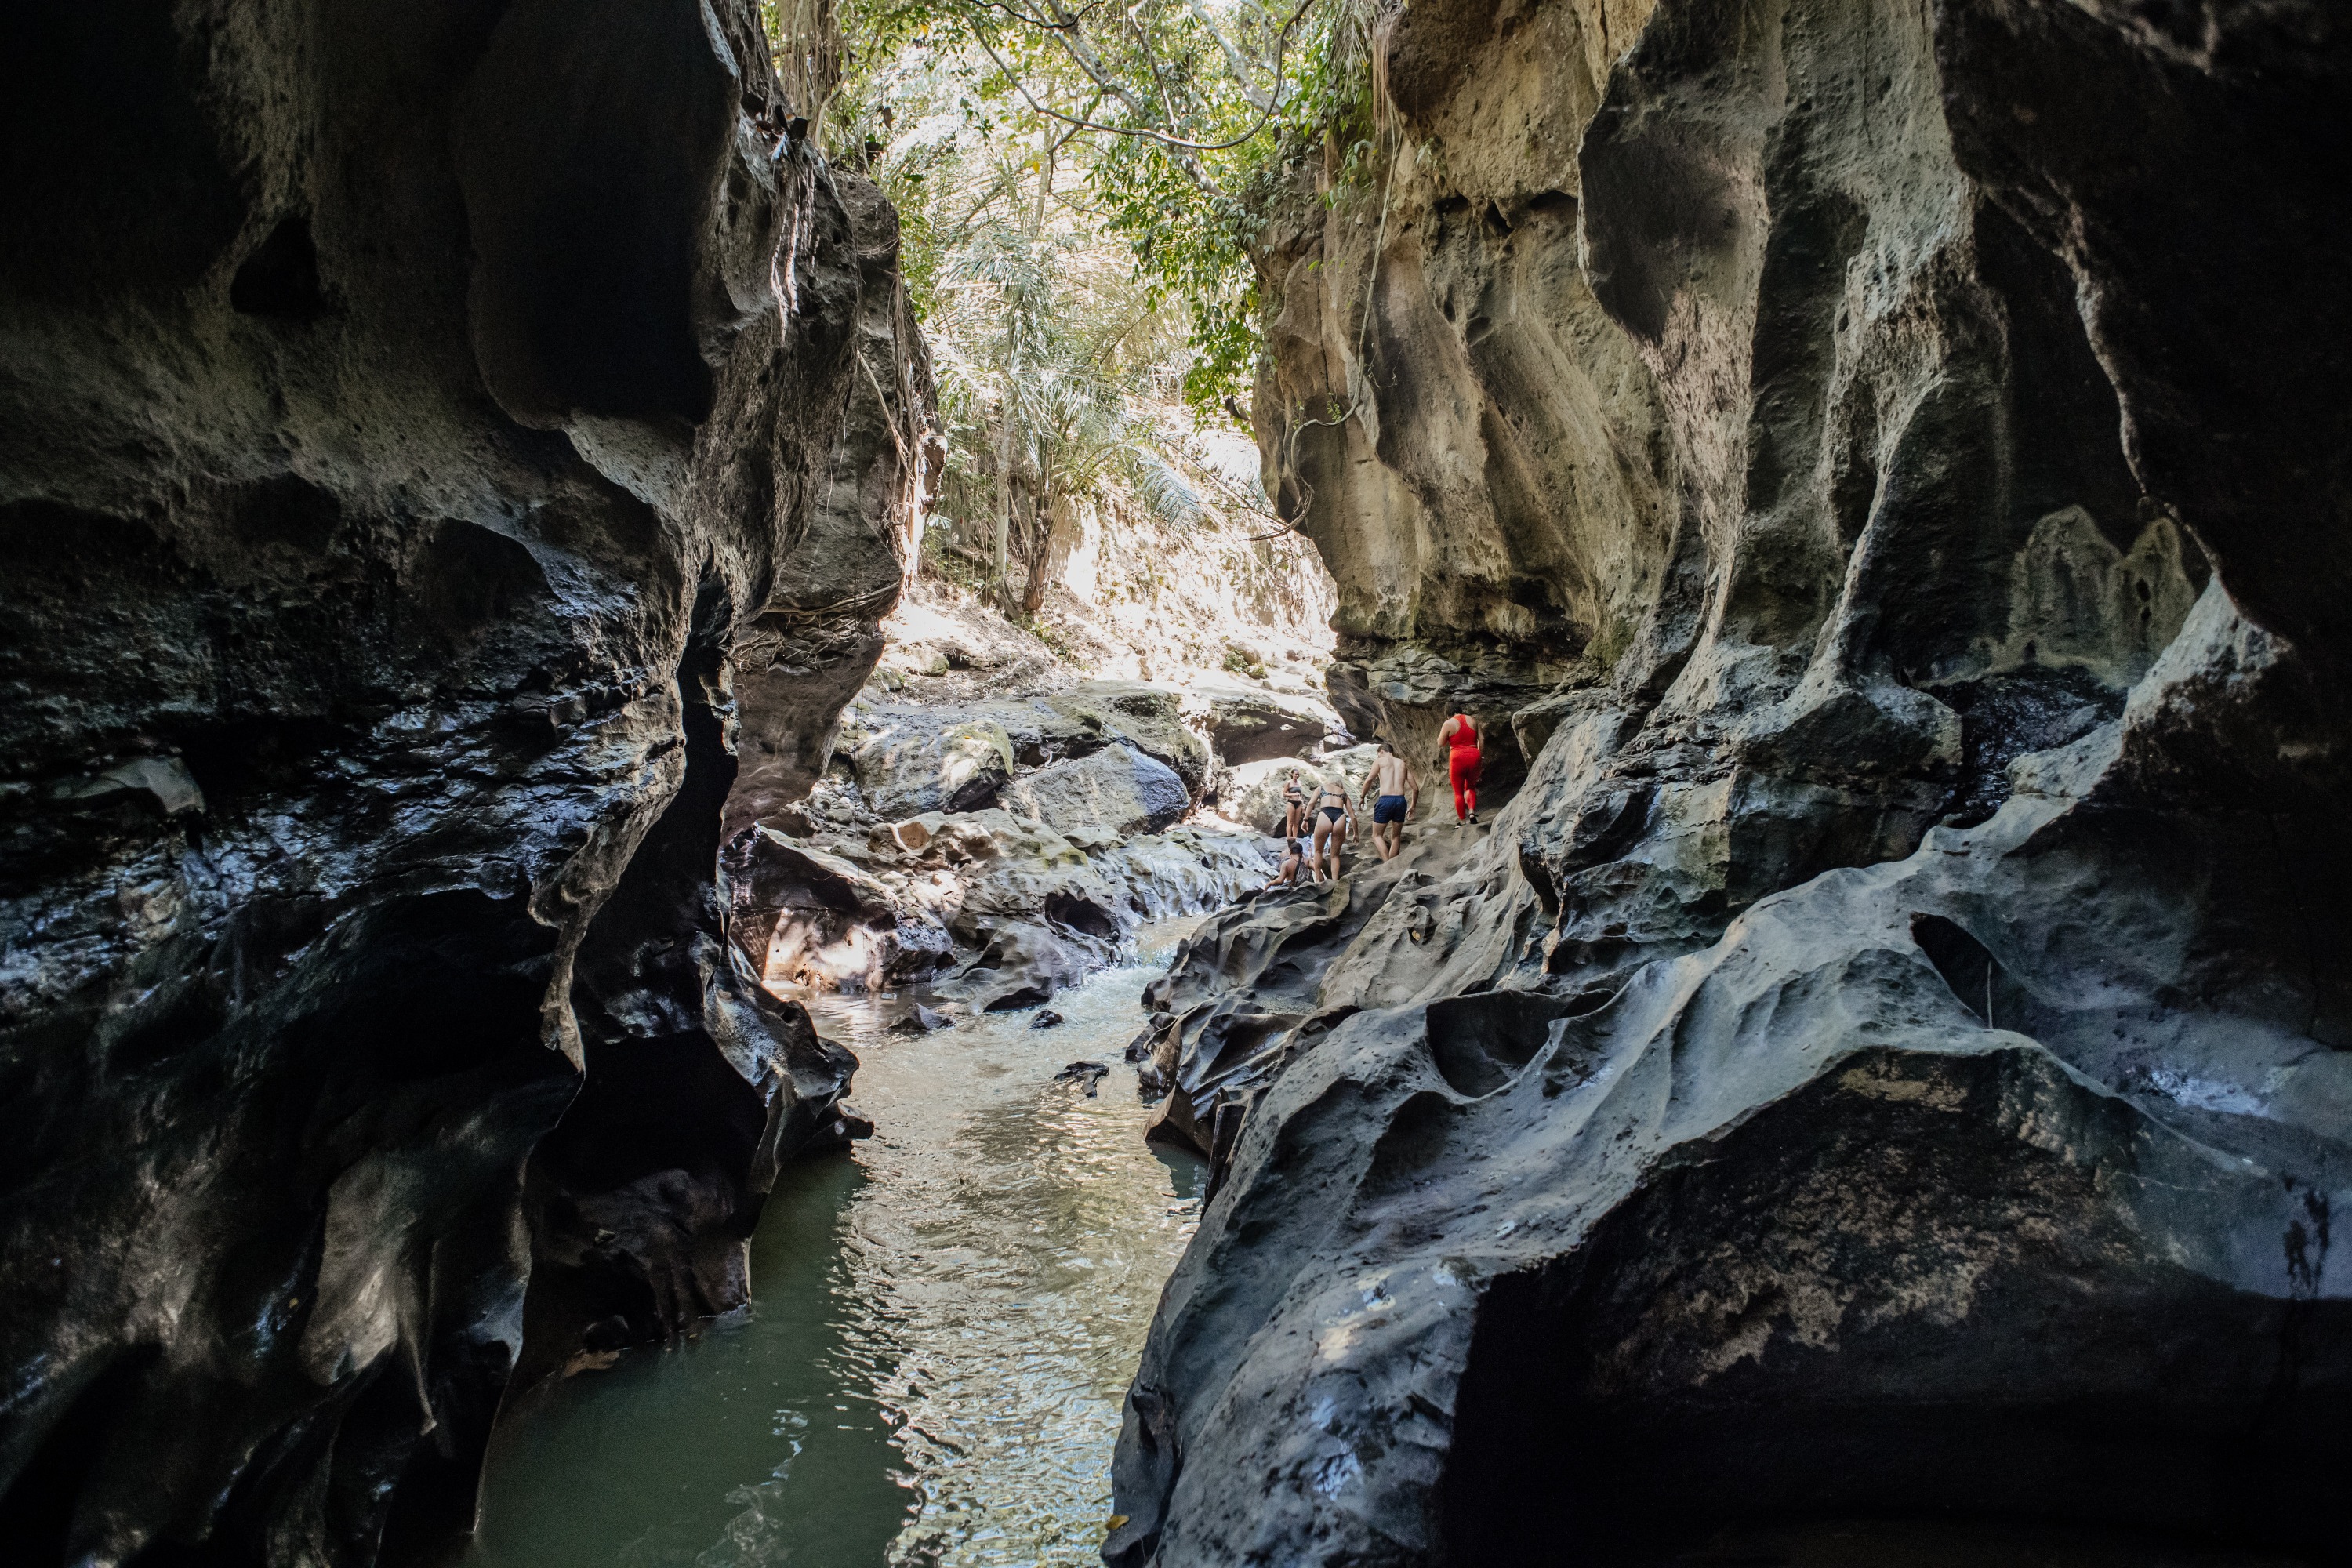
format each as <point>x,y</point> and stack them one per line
<point>944,1323</point>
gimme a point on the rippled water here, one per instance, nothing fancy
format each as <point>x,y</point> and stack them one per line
<point>944,1324</point>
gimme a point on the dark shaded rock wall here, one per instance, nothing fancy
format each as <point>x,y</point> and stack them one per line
<point>1877,1094</point>
<point>439,439</point>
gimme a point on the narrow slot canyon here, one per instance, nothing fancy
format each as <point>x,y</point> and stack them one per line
<point>1374,786</point>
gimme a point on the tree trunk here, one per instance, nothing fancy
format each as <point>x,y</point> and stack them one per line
<point>1003,488</point>
<point>1039,554</point>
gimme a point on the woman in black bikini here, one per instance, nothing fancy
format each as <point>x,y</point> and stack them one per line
<point>1294,805</point>
<point>1333,817</point>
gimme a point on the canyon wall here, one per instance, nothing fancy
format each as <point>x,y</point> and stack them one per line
<point>455,458</point>
<point>1880,1090</point>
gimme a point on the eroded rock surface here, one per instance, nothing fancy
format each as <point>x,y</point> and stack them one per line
<point>1114,791</point>
<point>1248,724</point>
<point>1878,1089</point>
<point>988,909</point>
<point>439,444</point>
<point>994,851</point>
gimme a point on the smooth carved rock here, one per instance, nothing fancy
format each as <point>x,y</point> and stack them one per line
<point>431,492</point>
<point>999,910</point>
<point>1883,1067</point>
<point>1829,1218</point>
<point>1145,718</point>
<point>1251,724</point>
<point>1116,790</point>
<point>953,767</point>
<point>1257,982</point>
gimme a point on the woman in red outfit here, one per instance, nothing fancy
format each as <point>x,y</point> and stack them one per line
<point>1460,739</point>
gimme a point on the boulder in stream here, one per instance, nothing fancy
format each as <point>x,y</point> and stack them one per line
<point>1250,723</point>
<point>1116,790</point>
<point>906,765</point>
<point>1145,717</point>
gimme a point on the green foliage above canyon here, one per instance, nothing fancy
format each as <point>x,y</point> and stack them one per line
<point>1078,193</point>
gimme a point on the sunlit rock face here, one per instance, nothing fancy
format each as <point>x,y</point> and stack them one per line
<point>1879,1091</point>
<point>996,851</point>
<point>435,442</point>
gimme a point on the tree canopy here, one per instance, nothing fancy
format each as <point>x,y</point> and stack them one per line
<point>1078,191</point>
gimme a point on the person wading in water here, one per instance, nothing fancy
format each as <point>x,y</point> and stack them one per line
<point>1460,739</point>
<point>1331,813</point>
<point>1398,793</point>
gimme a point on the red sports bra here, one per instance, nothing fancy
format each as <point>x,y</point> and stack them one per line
<point>1466,734</point>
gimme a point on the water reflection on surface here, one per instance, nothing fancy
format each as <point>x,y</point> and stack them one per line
<point>944,1324</point>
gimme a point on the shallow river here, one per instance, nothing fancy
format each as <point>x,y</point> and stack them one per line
<point>944,1324</point>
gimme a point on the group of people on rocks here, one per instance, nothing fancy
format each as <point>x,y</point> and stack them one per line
<point>1315,830</point>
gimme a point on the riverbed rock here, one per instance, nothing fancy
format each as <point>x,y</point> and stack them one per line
<point>1788,1194</point>
<point>432,489</point>
<point>1237,996</point>
<point>1114,790</point>
<point>913,766</point>
<point>1875,1071</point>
<point>1252,723</point>
<point>997,911</point>
<point>1146,718</point>
<point>1087,1075</point>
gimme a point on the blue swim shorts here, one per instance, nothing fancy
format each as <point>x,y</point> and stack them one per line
<point>1388,808</point>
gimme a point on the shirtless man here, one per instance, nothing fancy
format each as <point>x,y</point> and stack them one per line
<point>1398,791</point>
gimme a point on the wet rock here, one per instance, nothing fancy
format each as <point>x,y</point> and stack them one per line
<point>1114,790</point>
<point>1045,1019</point>
<point>422,512</point>
<point>847,1127</point>
<point>606,1335</point>
<point>1087,1074</point>
<point>1023,964</point>
<point>1276,971</point>
<point>922,1020</point>
<point>799,905</point>
<point>1876,1069</point>
<point>1528,1226</point>
<point>983,903</point>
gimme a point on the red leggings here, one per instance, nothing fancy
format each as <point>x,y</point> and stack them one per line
<point>1462,768</point>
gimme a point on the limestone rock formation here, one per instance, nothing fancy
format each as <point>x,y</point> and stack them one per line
<point>992,852</point>
<point>953,766</point>
<point>992,908</point>
<point>1878,1093</point>
<point>1227,1016</point>
<point>1114,791</point>
<point>1147,718</point>
<point>1256,723</point>
<point>452,462</point>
